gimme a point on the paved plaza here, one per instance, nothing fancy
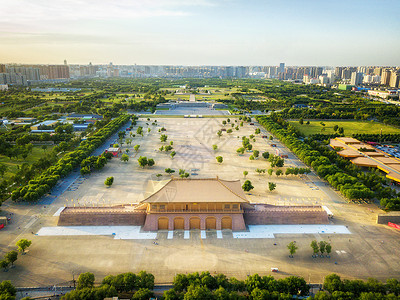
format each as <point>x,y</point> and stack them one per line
<point>360,247</point>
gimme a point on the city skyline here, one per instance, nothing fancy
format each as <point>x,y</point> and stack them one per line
<point>201,32</point>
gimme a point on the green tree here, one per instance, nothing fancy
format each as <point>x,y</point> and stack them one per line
<point>7,290</point>
<point>142,160</point>
<point>85,280</point>
<point>333,283</point>
<point>109,181</point>
<point>247,186</point>
<point>328,249</point>
<point>341,130</point>
<point>322,245</point>
<point>256,153</point>
<point>219,133</point>
<point>22,244</point>
<point>245,173</point>
<point>251,157</point>
<point>163,138</point>
<point>215,147</point>
<point>229,131</point>
<point>4,264</point>
<point>198,292</point>
<point>3,169</point>
<point>169,171</point>
<point>336,127</point>
<point>278,172</point>
<point>270,172</point>
<point>271,186</point>
<point>259,171</point>
<point>173,153</point>
<point>150,162</point>
<point>11,257</point>
<point>142,294</point>
<point>265,155</point>
<point>136,148</point>
<point>315,247</point>
<point>292,248</point>
<point>240,150</point>
<point>301,122</point>
<point>219,159</point>
<point>125,157</point>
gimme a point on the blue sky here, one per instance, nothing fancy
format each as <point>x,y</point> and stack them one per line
<point>201,32</point>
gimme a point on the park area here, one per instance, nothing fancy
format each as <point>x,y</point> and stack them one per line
<point>349,127</point>
<point>55,258</point>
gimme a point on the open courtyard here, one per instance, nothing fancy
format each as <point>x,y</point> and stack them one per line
<point>366,250</point>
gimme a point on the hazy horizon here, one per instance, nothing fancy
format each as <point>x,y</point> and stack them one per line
<point>201,32</point>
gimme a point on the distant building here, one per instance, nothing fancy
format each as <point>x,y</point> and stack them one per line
<point>394,80</point>
<point>345,87</point>
<point>3,87</point>
<point>385,79</point>
<point>382,94</point>
<point>356,78</point>
<point>281,67</point>
<point>44,125</point>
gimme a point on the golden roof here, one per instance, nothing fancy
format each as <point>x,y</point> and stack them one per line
<point>186,190</point>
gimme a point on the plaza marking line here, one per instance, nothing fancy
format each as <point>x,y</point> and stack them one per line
<point>268,231</point>
<point>186,234</point>
<point>31,221</point>
<point>135,233</point>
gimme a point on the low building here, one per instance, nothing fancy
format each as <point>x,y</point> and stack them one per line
<point>366,155</point>
<point>114,150</point>
<point>184,204</point>
<point>345,87</point>
<point>44,125</point>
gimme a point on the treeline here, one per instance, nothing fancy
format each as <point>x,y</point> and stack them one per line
<point>335,288</point>
<point>347,178</point>
<point>387,114</point>
<point>136,286</point>
<point>42,183</point>
<point>200,286</point>
<point>365,137</point>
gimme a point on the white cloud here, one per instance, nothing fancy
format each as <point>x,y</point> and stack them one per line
<point>25,11</point>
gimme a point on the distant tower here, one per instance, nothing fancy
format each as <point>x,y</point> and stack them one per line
<point>65,62</point>
<point>281,67</point>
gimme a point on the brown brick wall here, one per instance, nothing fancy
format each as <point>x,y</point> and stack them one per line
<point>102,219</point>
<point>384,219</point>
<point>285,217</point>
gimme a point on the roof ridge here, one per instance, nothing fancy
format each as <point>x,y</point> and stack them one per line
<point>229,189</point>
<point>171,179</point>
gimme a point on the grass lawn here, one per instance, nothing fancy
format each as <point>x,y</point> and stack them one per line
<point>37,153</point>
<point>350,127</point>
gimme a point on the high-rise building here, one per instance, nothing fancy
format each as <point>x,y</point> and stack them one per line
<point>356,78</point>
<point>2,68</point>
<point>281,68</point>
<point>378,71</point>
<point>338,72</point>
<point>394,80</point>
<point>385,78</point>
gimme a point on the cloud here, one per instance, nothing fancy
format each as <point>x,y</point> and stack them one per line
<point>25,11</point>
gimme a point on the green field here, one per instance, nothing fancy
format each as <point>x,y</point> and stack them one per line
<point>350,127</point>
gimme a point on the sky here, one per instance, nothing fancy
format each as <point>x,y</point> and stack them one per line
<point>201,32</point>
